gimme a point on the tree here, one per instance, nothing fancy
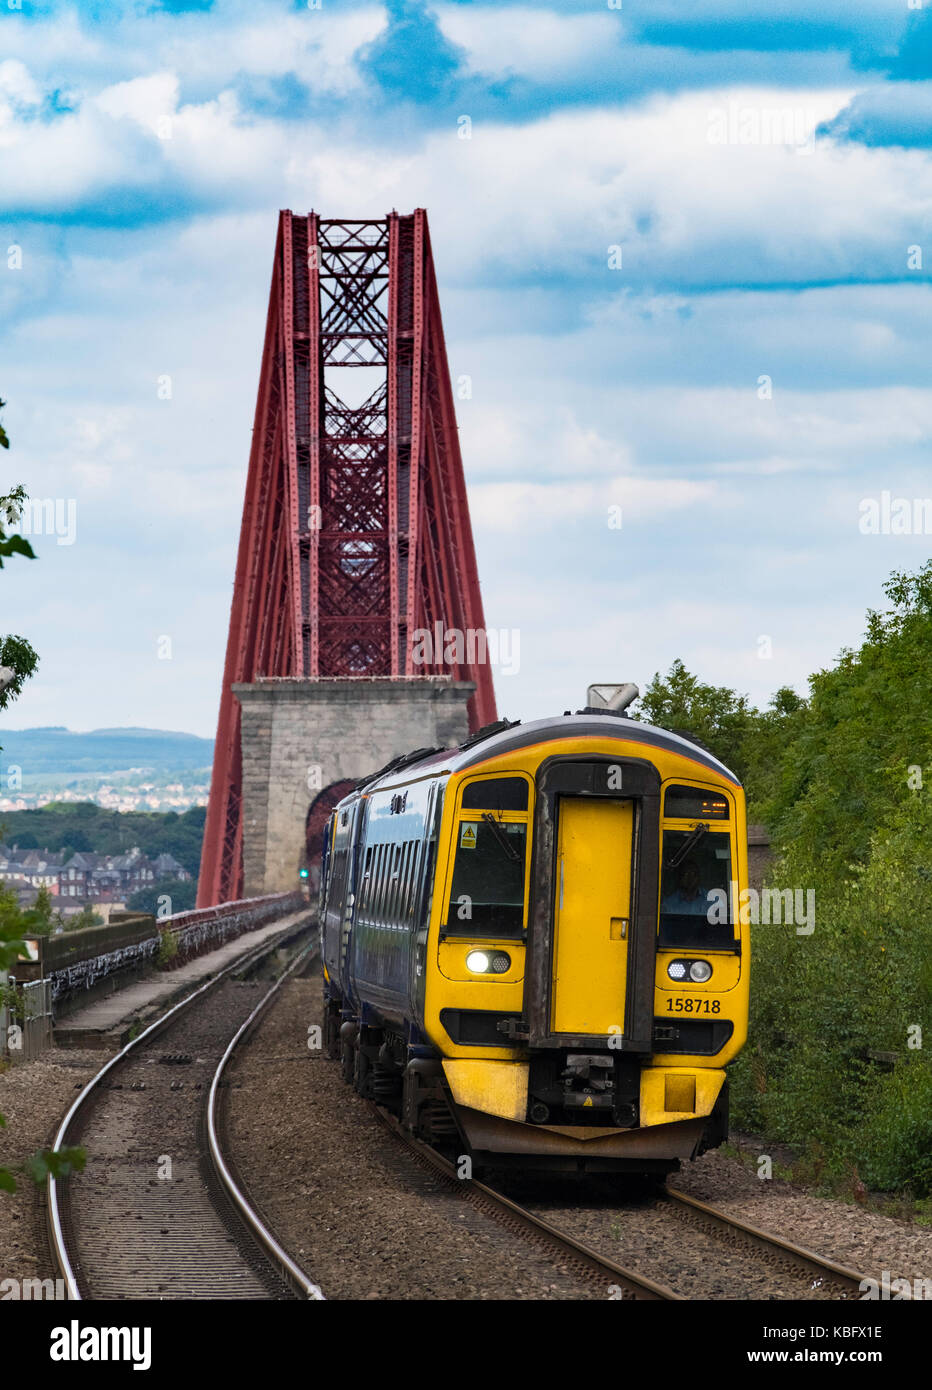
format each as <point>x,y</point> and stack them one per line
<point>183,895</point>
<point>720,718</point>
<point>87,917</point>
<point>43,913</point>
<point>865,743</point>
<point>16,654</point>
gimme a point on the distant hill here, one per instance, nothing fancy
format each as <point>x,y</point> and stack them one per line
<point>58,750</point>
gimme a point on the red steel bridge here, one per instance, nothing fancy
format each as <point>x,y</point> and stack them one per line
<point>355,529</point>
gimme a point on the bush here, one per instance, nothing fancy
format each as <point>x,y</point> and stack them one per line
<point>823,1006</point>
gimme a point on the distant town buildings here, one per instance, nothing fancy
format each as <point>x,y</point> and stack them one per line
<point>117,796</point>
<point>85,878</point>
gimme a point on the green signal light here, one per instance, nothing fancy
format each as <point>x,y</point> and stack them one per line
<point>302,873</point>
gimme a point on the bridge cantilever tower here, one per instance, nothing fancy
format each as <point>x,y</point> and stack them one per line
<point>355,535</point>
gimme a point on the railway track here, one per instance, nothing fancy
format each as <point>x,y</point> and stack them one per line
<point>755,1264</point>
<point>827,1276</point>
<point>159,1211</point>
<point>821,1277</point>
<point>617,1281</point>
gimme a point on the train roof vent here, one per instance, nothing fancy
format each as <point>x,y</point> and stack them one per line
<point>488,730</point>
<point>395,764</point>
<point>610,699</point>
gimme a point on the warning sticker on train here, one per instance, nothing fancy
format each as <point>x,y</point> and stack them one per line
<point>468,836</point>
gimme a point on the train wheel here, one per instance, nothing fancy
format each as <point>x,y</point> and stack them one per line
<point>347,1061</point>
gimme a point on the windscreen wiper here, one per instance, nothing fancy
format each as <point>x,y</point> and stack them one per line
<point>502,839</point>
<point>692,839</point>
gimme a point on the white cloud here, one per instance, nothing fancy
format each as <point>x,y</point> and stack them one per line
<point>530,507</point>
<point>538,43</point>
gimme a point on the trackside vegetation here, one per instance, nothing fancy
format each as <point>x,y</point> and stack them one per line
<point>839,1059</point>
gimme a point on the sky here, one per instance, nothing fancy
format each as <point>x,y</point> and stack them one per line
<point>683,258</point>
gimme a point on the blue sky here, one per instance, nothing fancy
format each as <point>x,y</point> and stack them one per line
<point>767,177</point>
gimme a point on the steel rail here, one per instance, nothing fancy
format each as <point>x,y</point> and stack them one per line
<point>293,1272</point>
<point>785,1251</point>
<point>589,1261</point>
<point>59,1248</point>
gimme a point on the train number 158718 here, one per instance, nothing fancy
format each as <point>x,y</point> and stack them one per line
<point>685,1004</point>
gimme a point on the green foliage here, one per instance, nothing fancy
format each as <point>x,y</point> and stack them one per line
<point>839,1062</point>
<point>183,896</point>
<point>18,654</point>
<point>87,917</point>
<point>11,509</point>
<point>168,948</point>
<point>15,925</point>
<point>55,1163</point>
<point>867,724</point>
<point>718,716</point>
<point>745,739</point>
<point>57,825</point>
<point>840,1059</point>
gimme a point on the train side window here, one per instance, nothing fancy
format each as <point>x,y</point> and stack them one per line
<point>404,885</point>
<point>366,893</point>
<point>394,886</point>
<point>377,882</point>
<point>384,881</point>
<point>412,882</point>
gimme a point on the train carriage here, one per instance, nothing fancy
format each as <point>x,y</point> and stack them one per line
<point>532,947</point>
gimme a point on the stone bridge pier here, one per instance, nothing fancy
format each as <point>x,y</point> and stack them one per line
<point>299,737</point>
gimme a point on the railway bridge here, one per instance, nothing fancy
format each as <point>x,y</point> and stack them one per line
<point>355,539</point>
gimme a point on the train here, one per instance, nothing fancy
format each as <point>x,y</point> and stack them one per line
<point>532,944</point>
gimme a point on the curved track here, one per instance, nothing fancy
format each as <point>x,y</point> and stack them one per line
<point>818,1276</point>
<point>828,1277</point>
<point>158,1212</point>
<point>619,1282</point>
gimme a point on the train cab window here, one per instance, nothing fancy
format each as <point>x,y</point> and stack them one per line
<point>696,909</point>
<point>488,886</point>
<point>487,892</point>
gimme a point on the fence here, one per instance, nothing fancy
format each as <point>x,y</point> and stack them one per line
<point>26,1024</point>
<point>206,928</point>
<point>76,961</point>
<point>69,966</point>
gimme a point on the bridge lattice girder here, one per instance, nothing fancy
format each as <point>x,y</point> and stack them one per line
<point>355,527</point>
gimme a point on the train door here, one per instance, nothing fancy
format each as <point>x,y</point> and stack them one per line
<point>592,915</point>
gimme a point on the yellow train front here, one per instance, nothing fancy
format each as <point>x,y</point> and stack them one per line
<point>532,946</point>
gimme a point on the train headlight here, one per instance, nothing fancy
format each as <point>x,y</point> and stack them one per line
<point>677,969</point>
<point>700,971</point>
<point>488,962</point>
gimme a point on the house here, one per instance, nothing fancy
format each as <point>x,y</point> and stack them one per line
<point>87,876</point>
